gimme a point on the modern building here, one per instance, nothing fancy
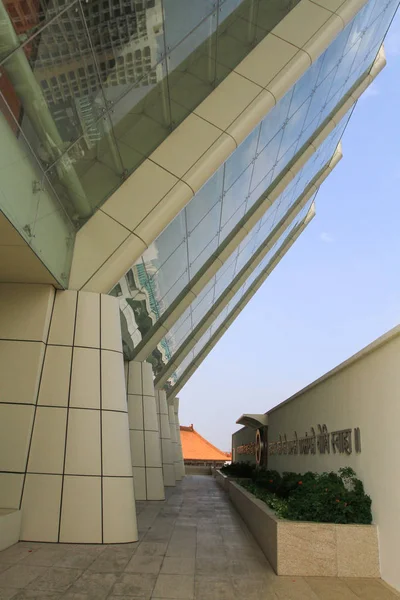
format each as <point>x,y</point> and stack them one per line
<point>346,418</point>
<point>199,452</point>
<point>157,162</point>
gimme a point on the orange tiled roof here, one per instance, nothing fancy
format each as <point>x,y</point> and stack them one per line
<point>195,447</point>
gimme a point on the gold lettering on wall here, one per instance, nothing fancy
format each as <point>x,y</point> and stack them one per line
<point>340,441</point>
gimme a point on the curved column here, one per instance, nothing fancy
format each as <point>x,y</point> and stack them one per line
<point>165,438</point>
<point>64,424</point>
<point>174,440</point>
<point>179,439</point>
<point>144,433</point>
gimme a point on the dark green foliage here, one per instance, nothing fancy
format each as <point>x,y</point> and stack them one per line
<point>324,498</point>
<point>239,469</point>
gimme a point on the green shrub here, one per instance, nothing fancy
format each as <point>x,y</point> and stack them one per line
<point>239,469</point>
<point>324,498</point>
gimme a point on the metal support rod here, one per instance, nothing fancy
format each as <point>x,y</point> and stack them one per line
<point>28,91</point>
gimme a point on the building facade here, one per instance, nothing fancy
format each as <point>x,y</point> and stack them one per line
<point>158,159</point>
<point>347,418</point>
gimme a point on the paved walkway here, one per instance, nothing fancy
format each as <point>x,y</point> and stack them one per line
<point>194,545</point>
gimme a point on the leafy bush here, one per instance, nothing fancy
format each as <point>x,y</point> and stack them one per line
<point>239,469</point>
<point>324,498</point>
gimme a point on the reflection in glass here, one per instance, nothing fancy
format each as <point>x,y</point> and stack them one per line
<point>214,212</point>
<point>206,337</point>
<point>239,259</point>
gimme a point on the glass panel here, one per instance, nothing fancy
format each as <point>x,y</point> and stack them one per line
<point>275,216</point>
<point>238,296</point>
<point>272,145</point>
<point>30,203</point>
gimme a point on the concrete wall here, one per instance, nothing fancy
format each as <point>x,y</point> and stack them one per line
<point>243,437</point>
<point>362,392</point>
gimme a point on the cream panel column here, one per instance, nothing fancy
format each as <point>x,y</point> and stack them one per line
<point>178,437</point>
<point>174,440</point>
<point>144,433</point>
<point>165,438</point>
<point>78,486</point>
<point>25,312</point>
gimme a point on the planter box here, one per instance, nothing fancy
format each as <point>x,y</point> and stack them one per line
<point>308,549</point>
<point>223,480</point>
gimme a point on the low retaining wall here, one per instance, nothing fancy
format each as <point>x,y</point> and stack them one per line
<point>222,480</point>
<point>307,549</point>
<point>197,470</point>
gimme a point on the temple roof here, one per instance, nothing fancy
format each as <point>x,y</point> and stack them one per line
<point>195,447</point>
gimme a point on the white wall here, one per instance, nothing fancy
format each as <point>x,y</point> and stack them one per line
<point>363,392</point>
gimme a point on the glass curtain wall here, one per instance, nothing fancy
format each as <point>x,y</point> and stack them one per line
<point>89,89</point>
<point>187,361</point>
<point>240,258</point>
<point>177,255</point>
<point>96,86</point>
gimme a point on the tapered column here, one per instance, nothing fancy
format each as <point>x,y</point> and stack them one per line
<point>144,433</point>
<point>178,438</point>
<point>165,435</point>
<point>174,440</point>
<point>64,439</point>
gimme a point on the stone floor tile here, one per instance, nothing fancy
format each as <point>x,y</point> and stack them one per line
<point>112,560</point>
<point>74,596</point>
<point>174,586</point>
<point>56,579</point>
<point>330,588</point>
<point>18,576</point>
<point>178,550</point>
<point>80,558</point>
<point>46,556</point>
<point>133,584</point>
<point>178,566</point>
<point>95,585</point>
<point>144,564</point>
<point>369,589</point>
<point>16,553</point>
<point>38,595</point>
<point>213,588</point>
<point>4,567</point>
<point>8,593</point>
<point>212,550</point>
<point>253,589</point>
<point>151,549</point>
<point>292,588</point>
<point>212,566</point>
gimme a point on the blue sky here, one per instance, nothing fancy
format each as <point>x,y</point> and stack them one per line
<point>336,290</point>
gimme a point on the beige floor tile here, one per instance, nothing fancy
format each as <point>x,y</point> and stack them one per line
<point>16,553</point>
<point>94,585</point>
<point>47,556</point>
<point>369,589</point>
<point>19,576</point>
<point>292,588</point>
<point>144,564</point>
<point>37,595</point>
<point>8,593</point>
<point>112,560</point>
<point>178,566</point>
<point>174,586</point>
<point>133,584</point>
<point>55,579</point>
<point>80,557</point>
<point>213,588</point>
<point>255,589</point>
<point>151,549</point>
<point>183,551</point>
<point>330,588</point>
